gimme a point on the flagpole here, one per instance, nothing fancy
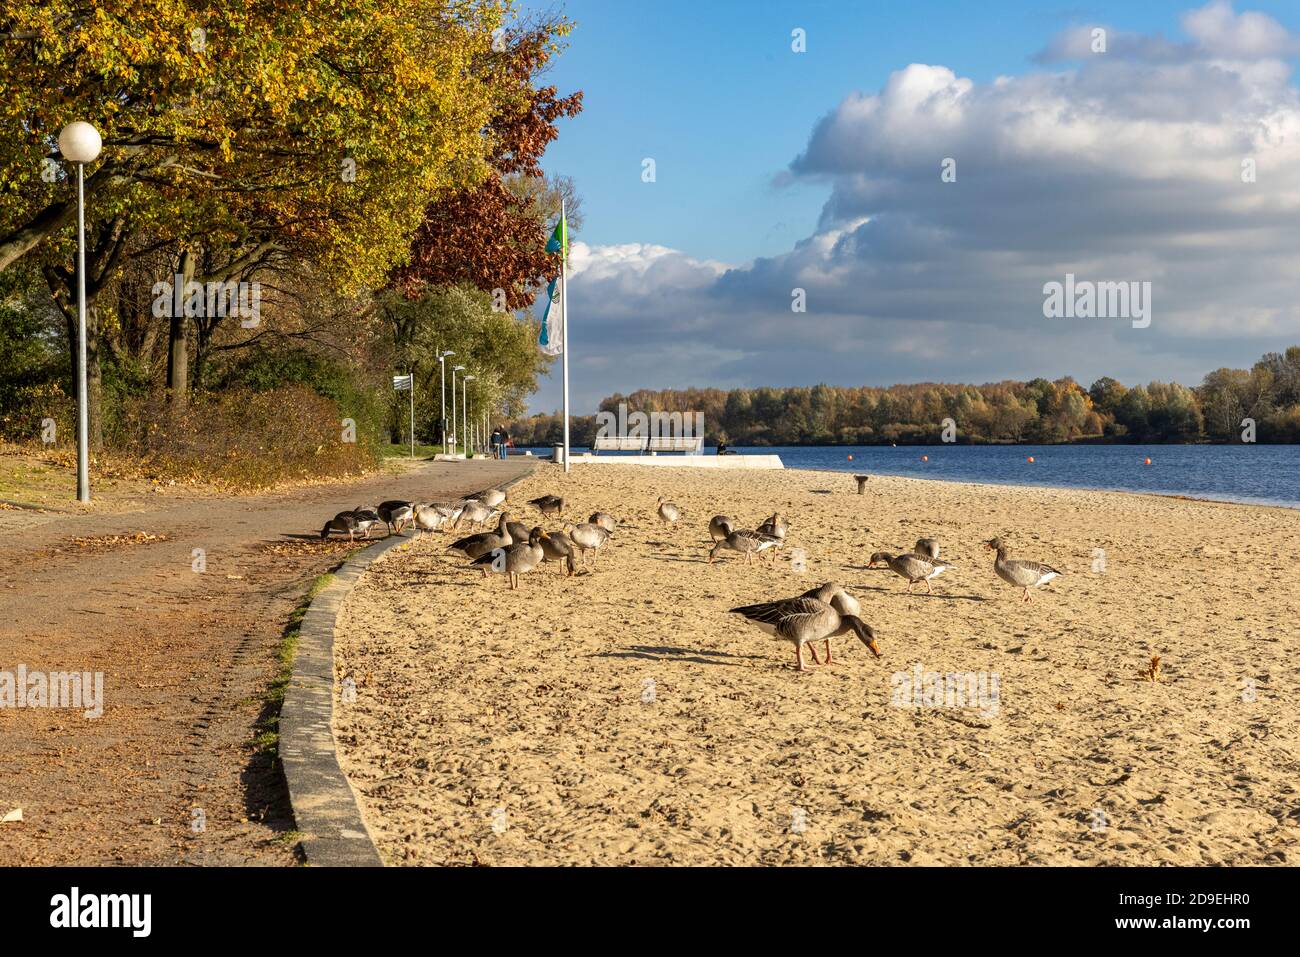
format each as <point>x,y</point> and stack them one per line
<point>564,324</point>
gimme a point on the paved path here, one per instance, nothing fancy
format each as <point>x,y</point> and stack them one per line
<point>187,658</point>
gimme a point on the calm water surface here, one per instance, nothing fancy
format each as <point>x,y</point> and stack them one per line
<point>1259,474</point>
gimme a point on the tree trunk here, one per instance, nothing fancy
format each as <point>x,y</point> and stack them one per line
<point>178,357</point>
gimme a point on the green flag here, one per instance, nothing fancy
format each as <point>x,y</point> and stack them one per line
<point>559,240</point>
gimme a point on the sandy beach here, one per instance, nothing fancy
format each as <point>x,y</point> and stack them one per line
<point>622,716</point>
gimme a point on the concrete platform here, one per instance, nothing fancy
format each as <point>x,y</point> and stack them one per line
<point>668,460</point>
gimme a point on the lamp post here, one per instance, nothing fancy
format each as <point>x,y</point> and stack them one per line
<point>464,409</point>
<point>80,143</point>
<point>454,442</point>
<point>442,379</point>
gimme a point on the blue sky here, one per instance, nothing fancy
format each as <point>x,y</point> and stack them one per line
<point>713,93</point>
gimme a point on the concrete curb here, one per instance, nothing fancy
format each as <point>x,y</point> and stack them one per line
<point>325,807</point>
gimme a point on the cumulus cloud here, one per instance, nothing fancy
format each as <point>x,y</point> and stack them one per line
<point>1119,166</point>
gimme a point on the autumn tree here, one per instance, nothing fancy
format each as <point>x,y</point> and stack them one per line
<point>493,234</point>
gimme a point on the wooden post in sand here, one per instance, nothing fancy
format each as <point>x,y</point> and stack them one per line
<point>862,483</point>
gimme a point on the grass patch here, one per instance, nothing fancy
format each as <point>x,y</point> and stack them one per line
<point>266,738</point>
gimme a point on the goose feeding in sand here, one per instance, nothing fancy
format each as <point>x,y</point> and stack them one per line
<point>342,522</point>
<point>475,512</point>
<point>747,543</point>
<point>514,560</point>
<point>803,620</point>
<point>556,547</point>
<point>549,505</point>
<point>913,567</point>
<point>366,519</point>
<point>395,514</point>
<point>604,520</point>
<point>668,512</point>
<point>587,538</point>
<point>1019,571</point>
<point>476,546</point>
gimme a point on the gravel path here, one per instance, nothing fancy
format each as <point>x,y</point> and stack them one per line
<point>186,658</point>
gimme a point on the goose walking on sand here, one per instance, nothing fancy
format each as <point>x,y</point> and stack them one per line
<point>604,520</point>
<point>926,548</point>
<point>587,538</point>
<point>1019,571</point>
<point>549,505</point>
<point>804,620</point>
<point>476,546</point>
<point>912,567</point>
<point>395,514</point>
<point>720,526</point>
<point>342,522</point>
<point>747,543</point>
<point>668,512</point>
<point>514,560</point>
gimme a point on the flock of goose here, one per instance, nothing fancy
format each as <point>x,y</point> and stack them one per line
<point>514,549</point>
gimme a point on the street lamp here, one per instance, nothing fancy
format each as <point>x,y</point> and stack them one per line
<point>80,143</point>
<point>464,408</point>
<point>442,379</point>
<point>453,405</point>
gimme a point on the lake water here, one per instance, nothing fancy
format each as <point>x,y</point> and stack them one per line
<point>1260,474</point>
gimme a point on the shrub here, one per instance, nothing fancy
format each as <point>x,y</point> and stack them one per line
<point>242,438</point>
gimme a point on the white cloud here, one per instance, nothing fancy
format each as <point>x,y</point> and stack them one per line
<point>1125,166</point>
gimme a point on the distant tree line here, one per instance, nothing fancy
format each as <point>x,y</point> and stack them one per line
<point>1038,411</point>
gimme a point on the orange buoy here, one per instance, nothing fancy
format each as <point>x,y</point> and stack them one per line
<point>850,458</point>
<point>1148,462</point>
<point>1030,459</point>
<point>925,458</point>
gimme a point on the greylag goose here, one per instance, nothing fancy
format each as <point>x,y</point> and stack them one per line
<point>1019,571</point>
<point>514,560</point>
<point>366,518</point>
<point>428,518</point>
<point>913,567</point>
<point>776,526</point>
<point>720,526</point>
<point>833,594</point>
<point>604,520</point>
<point>395,514</point>
<point>746,542</point>
<point>556,547</point>
<point>476,512</point>
<point>549,505</point>
<point>926,548</point>
<point>492,497</point>
<point>342,522</point>
<point>803,620</point>
<point>668,512</point>
<point>587,538</point>
<point>476,546</point>
<point>518,531</point>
